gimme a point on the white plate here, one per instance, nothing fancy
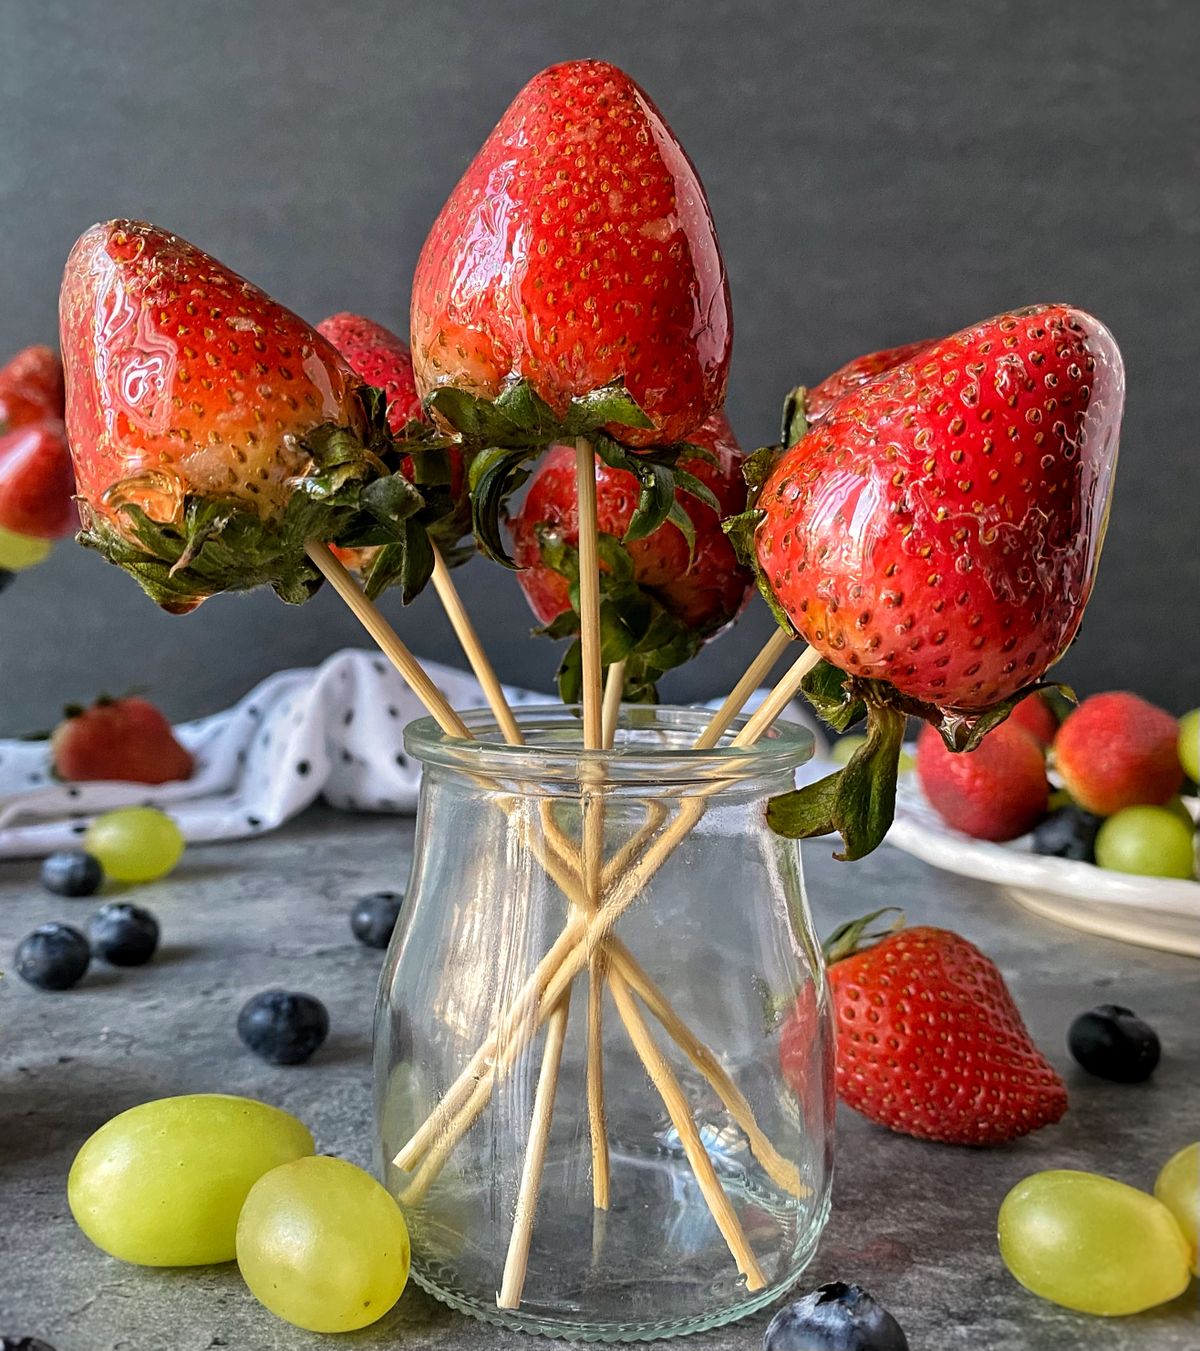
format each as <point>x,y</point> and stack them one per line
<point>1156,912</point>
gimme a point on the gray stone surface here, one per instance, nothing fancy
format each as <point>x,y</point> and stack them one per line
<point>913,1222</point>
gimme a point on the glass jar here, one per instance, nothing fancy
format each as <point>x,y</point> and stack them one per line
<point>668,1004</point>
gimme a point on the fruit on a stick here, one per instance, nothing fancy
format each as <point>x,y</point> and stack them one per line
<point>1112,1042</point>
<point>37,483</point>
<point>1092,1244</point>
<point>935,536</point>
<point>929,1041</point>
<point>997,791</point>
<point>576,251</point>
<point>53,957</point>
<point>384,361</point>
<point>1148,842</point>
<point>322,1245</point>
<point>31,388</point>
<point>835,1317</point>
<point>1117,750</point>
<point>214,432</point>
<point>135,844</point>
<point>663,594</point>
<point>125,740</point>
<point>162,1184</point>
<point>1178,1188</point>
<point>820,398</point>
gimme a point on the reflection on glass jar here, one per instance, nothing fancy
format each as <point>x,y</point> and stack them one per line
<point>631,903</point>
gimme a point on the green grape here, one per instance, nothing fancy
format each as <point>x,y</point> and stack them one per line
<point>323,1245</point>
<point>162,1184</point>
<point>135,844</point>
<point>844,747</point>
<point>1189,744</point>
<point>1092,1244</point>
<point>1178,1188</point>
<point>18,552</point>
<point>1177,807</point>
<point>1148,841</point>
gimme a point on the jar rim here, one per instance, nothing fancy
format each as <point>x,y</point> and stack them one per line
<point>635,757</point>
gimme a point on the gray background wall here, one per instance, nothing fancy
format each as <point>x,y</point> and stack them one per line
<point>878,172</point>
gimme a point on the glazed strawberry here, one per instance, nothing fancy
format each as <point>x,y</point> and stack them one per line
<point>1116,750</point>
<point>998,791</point>
<point>577,251</point>
<point>936,535</point>
<point>31,388</point>
<point>380,358</point>
<point>37,484</point>
<point>929,1041</point>
<point>383,360</point>
<point>821,398</point>
<point>213,431</point>
<point>125,740</point>
<point>940,529</point>
<point>705,593</point>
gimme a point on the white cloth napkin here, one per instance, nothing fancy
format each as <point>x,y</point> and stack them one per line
<point>335,731</point>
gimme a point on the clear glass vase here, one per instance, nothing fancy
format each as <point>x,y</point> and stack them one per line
<point>605,950</point>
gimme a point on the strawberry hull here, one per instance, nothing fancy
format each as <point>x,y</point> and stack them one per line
<point>578,250</point>
<point>940,528</point>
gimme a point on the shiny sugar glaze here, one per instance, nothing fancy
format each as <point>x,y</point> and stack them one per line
<point>577,249</point>
<point>940,528</point>
<point>182,378</point>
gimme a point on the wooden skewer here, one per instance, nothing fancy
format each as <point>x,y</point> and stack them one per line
<point>567,957</point>
<point>589,595</point>
<point>754,676</point>
<point>680,1112</point>
<point>387,639</point>
<point>614,688</point>
<point>468,639</point>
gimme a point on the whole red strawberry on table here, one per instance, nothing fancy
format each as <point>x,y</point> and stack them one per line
<point>119,740</point>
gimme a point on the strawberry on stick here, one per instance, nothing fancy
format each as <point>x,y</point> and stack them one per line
<point>935,536</point>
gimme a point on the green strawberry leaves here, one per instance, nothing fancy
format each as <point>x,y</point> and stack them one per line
<point>354,496</point>
<point>503,436</point>
<point>859,801</point>
<point>634,627</point>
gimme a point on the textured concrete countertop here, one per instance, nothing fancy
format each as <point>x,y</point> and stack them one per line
<point>915,1223</point>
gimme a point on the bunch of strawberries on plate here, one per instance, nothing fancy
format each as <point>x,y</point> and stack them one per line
<point>929,524</point>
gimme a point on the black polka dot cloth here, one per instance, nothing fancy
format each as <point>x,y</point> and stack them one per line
<point>334,731</point>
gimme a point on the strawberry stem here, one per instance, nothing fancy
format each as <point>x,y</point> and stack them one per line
<point>854,935</point>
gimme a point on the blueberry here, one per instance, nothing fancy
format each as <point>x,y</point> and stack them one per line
<point>72,872</point>
<point>1112,1042</point>
<point>53,957</point>
<point>123,934</point>
<point>835,1317</point>
<point>374,917</point>
<point>24,1344</point>
<point>283,1027</point>
<point>5,578</point>
<point>1069,833</point>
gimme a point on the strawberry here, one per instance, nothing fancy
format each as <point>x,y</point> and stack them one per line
<point>821,398</point>
<point>935,537</point>
<point>687,590</point>
<point>213,431</point>
<point>37,484</point>
<point>383,360</point>
<point>574,276</point>
<point>1116,750</point>
<point>31,388</point>
<point>997,791</point>
<point>126,740</point>
<point>1035,716</point>
<point>929,1041</point>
